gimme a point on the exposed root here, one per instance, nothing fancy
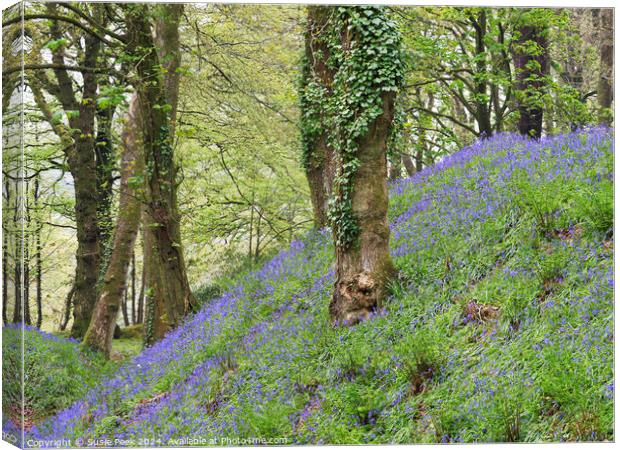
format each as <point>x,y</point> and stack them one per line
<point>355,298</point>
<point>479,312</point>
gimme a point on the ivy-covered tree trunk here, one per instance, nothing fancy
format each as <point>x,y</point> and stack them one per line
<point>363,268</point>
<point>365,55</point>
<point>101,330</point>
<point>168,286</point>
<point>531,59</point>
<point>605,90</point>
<point>317,79</point>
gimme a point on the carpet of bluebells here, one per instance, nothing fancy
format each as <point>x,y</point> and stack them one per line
<point>499,328</point>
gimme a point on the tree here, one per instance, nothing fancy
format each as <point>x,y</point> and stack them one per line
<point>605,83</point>
<point>101,329</point>
<point>171,298</point>
<point>357,110</point>
<point>459,80</point>
<point>531,59</point>
<point>238,137</point>
<point>316,83</point>
<point>67,40</point>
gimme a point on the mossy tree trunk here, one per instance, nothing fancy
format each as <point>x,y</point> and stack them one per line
<point>104,164</point>
<point>167,284</point>
<point>318,155</point>
<point>101,330</point>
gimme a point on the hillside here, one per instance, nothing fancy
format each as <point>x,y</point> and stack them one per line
<point>500,327</point>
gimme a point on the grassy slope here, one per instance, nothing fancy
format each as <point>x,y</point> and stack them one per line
<point>57,373</point>
<point>500,328</point>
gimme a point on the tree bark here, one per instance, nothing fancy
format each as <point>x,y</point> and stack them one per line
<point>26,255</point>
<point>605,92</point>
<point>166,273</point>
<point>101,330</point>
<point>483,111</point>
<point>409,164</point>
<point>133,287</point>
<point>319,164</point>
<point>124,308</point>
<point>531,59</point>
<point>82,165</point>
<point>141,294</point>
<point>18,239</point>
<point>395,167</point>
<point>364,267</point>
<point>67,312</point>
<point>104,163</point>
<point>38,258</point>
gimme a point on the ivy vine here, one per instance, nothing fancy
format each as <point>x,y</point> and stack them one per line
<point>366,59</point>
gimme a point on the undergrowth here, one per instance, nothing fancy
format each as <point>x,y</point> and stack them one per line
<point>499,328</point>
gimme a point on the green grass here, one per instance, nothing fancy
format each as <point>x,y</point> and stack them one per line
<point>498,329</point>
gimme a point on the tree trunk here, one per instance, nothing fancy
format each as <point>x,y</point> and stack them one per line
<point>82,162</point>
<point>37,256</point>
<point>318,155</point>
<point>605,90</point>
<point>483,111</point>
<point>18,238</point>
<point>104,163</point>
<point>409,164</point>
<point>133,287</point>
<point>26,255</point>
<point>6,207</point>
<point>101,330</point>
<point>141,295</point>
<point>166,277</point>
<point>67,311</point>
<point>257,248</point>
<point>531,58</point>
<point>364,266</point>
<point>124,308</point>
<point>79,146</point>
<point>395,167</point>
<point>363,270</point>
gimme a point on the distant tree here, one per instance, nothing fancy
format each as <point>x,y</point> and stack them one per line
<point>113,289</point>
<point>531,59</point>
<point>69,39</point>
<point>606,82</point>
<point>459,79</point>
